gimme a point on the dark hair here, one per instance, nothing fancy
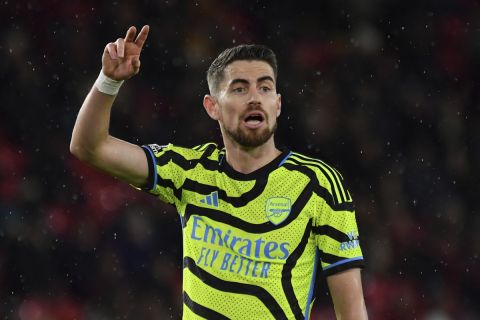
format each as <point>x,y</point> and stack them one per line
<point>241,52</point>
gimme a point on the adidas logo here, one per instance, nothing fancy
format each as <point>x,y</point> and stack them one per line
<point>211,199</point>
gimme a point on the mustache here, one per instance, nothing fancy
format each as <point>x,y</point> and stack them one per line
<point>254,107</point>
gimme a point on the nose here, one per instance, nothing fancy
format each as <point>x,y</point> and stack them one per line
<point>254,96</point>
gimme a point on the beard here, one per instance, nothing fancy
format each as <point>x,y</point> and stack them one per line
<point>251,138</point>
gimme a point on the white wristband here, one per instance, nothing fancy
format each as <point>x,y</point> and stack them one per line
<point>107,85</point>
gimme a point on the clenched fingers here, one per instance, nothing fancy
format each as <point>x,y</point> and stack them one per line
<point>120,47</point>
<point>111,48</point>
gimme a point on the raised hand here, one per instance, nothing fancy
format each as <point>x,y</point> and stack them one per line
<point>121,59</point>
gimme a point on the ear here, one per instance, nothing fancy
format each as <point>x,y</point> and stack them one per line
<point>211,106</point>
<point>279,104</point>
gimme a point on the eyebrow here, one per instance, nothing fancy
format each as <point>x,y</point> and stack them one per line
<point>261,79</point>
<point>265,78</point>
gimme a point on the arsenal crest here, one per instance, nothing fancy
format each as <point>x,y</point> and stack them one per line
<point>277,209</point>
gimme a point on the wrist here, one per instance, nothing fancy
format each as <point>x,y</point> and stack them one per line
<point>107,85</point>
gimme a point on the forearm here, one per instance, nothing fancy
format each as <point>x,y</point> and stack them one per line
<point>91,126</point>
<point>354,311</point>
<point>91,141</point>
<point>347,295</point>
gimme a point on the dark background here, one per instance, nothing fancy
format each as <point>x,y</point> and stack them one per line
<point>387,91</point>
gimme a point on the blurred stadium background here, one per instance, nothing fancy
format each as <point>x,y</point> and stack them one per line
<point>387,91</point>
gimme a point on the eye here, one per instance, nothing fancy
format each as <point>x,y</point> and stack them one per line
<point>265,89</point>
<point>238,89</point>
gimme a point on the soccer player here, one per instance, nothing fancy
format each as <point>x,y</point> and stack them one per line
<point>258,221</point>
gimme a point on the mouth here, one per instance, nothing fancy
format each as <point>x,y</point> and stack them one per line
<point>254,119</point>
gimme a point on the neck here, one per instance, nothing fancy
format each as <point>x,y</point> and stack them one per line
<point>247,160</point>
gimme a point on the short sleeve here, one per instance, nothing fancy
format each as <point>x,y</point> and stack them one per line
<point>164,176</point>
<point>335,228</point>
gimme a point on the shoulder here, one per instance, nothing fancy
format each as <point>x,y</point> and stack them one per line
<point>326,175</point>
<point>186,152</point>
<point>321,168</point>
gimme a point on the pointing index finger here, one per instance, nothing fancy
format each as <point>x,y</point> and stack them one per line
<point>142,36</point>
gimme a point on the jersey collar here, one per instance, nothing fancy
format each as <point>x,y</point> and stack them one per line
<point>260,172</point>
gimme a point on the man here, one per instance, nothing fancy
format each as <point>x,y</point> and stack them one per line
<point>257,220</point>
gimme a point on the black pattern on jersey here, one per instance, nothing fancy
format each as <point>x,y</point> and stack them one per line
<point>237,202</point>
<point>318,189</point>
<point>235,287</point>
<point>185,164</point>
<point>206,189</point>
<point>331,232</point>
<point>335,194</point>
<point>238,223</point>
<point>330,258</point>
<point>337,187</point>
<point>201,188</point>
<point>287,273</point>
<point>205,146</point>
<point>345,266</point>
<point>202,310</point>
<point>167,183</point>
